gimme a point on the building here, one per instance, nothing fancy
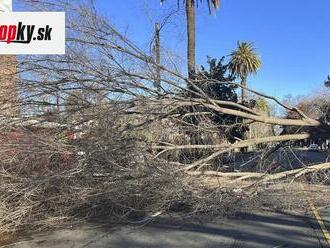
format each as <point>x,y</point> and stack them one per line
<point>8,84</point>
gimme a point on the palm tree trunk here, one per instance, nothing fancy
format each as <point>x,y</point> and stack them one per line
<point>190,14</point>
<point>243,83</point>
<point>246,133</point>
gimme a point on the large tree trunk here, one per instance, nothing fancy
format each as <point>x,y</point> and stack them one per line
<point>190,13</point>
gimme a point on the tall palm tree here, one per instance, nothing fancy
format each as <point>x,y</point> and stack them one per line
<point>191,27</point>
<point>243,62</point>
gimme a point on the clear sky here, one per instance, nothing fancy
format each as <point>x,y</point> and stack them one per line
<point>292,36</point>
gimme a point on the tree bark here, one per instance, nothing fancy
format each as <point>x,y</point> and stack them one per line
<point>191,23</point>
<point>243,96</point>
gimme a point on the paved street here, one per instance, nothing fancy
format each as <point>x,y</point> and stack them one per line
<point>286,159</point>
<point>325,214</point>
<point>255,230</point>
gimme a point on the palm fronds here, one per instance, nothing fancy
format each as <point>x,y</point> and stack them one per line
<point>244,60</point>
<point>212,4</point>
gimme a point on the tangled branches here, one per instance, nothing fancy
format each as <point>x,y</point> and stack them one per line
<point>140,145</point>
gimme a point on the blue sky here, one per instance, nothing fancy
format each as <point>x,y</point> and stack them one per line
<point>292,36</point>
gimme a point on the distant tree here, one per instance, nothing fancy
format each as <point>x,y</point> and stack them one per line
<point>327,82</point>
<point>243,62</point>
<point>316,107</point>
<point>217,70</point>
<point>190,15</point>
<point>258,130</point>
<point>262,105</point>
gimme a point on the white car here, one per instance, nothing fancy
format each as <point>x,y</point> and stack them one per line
<point>314,147</point>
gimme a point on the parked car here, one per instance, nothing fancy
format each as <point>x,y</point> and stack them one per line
<point>314,148</point>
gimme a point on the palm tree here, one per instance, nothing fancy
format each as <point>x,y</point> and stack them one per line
<point>243,62</point>
<point>191,23</point>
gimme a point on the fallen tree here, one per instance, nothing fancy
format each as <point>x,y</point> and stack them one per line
<point>112,74</point>
<point>142,144</point>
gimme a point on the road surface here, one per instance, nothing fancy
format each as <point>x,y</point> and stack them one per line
<point>286,159</point>
<point>254,230</point>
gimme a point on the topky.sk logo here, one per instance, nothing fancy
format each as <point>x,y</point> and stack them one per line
<point>23,33</point>
<point>31,32</point>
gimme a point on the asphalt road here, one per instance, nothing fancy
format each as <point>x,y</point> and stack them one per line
<point>325,214</point>
<point>254,230</point>
<point>286,159</point>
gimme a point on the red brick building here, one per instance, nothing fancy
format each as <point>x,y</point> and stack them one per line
<point>8,84</point>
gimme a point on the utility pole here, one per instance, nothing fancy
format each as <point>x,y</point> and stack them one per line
<point>156,49</point>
